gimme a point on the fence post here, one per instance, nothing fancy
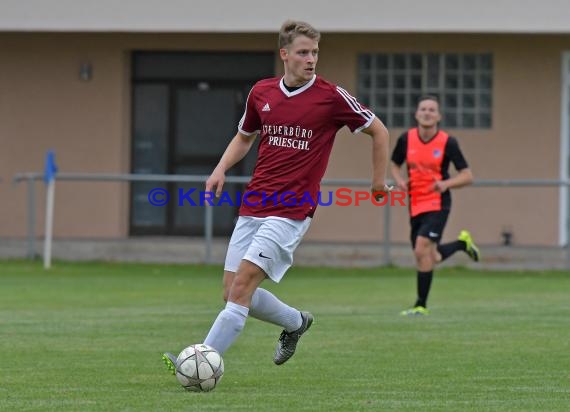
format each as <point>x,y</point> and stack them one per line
<point>31,217</point>
<point>567,247</point>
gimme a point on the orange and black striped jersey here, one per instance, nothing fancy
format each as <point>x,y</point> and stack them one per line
<point>427,162</point>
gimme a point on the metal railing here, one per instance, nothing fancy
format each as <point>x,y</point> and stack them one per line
<point>31,177</point>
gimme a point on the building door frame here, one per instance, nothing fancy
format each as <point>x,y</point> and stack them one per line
<point>165,146</point>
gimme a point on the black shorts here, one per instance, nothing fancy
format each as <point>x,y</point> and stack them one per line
<point>428,224</point>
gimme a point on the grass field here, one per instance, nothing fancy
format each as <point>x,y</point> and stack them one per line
<point>88,337</point>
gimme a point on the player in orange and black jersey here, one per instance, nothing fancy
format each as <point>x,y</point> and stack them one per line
<point>427,152</point>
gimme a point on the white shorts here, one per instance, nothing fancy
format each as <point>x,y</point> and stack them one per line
<point>268,242</point>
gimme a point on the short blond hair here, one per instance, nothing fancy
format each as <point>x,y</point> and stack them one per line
<point>292,29</point>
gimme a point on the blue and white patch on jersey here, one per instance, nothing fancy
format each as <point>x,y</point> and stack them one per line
<point>436,153</point>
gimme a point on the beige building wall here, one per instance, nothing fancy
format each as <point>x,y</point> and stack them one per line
<point>524,142</point>
<point>44,105</point>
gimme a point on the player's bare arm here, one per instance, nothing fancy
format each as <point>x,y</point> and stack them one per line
<point>236,150</point>
<point>396,171</point>
<point>380,154</point>
<point>463,178</point>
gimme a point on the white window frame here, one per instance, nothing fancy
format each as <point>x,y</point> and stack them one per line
<point>369,90</point>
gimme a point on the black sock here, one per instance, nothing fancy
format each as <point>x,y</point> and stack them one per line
<point>424,285</point>
<point>448,249</point>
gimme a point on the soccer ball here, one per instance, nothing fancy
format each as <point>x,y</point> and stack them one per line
<point>199,368</point>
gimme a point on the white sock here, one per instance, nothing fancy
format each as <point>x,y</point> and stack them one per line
<point>265,306</point>
<point>227,327</point>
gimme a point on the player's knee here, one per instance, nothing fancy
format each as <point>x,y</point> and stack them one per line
<point>240,289</point>
<point>421,252</point>
<point>239,286</point>
<point>246,280</point>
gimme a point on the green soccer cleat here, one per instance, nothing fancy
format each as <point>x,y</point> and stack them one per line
<point>170,362</point>
<point>470,247</point>
<point>415,311</point>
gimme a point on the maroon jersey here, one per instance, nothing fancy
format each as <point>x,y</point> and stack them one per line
<point>297,131</point>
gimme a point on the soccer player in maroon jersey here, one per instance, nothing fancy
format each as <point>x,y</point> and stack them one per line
<point>296,117</point>
<point>428,151</point>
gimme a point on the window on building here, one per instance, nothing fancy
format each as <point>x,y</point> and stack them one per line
<point>390,85</point>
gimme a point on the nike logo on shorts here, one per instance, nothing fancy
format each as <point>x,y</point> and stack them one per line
<point>264,257</point>
<point>432,234</point>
